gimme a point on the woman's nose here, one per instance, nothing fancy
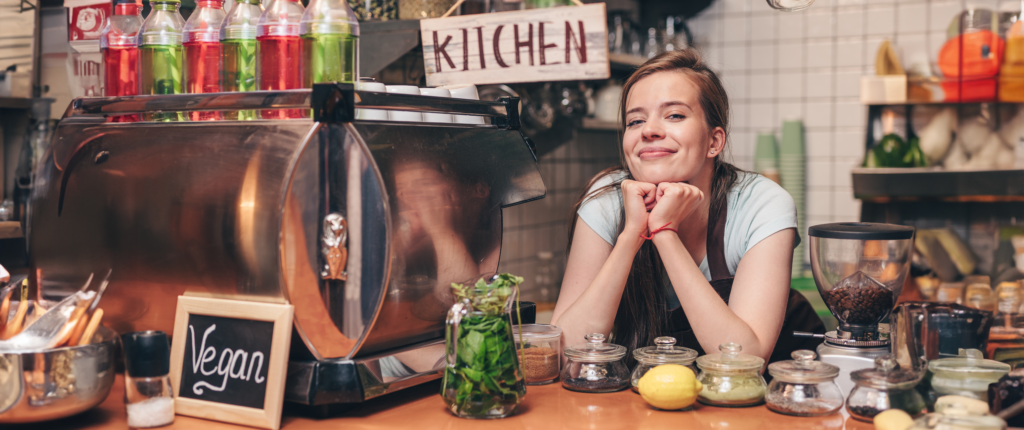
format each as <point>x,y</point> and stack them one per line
<point>653,130</point>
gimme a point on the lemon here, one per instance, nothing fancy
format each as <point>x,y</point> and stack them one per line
<point>669,387</point>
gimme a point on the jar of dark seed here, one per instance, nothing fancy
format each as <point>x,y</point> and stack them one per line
<point>882,388</point>
<point>420,9</point>
<point>803,387</point>
<point>664,351</point>
<point>595,366</point>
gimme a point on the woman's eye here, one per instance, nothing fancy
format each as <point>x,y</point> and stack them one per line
<point>677,116</point>
<point>634,123</point>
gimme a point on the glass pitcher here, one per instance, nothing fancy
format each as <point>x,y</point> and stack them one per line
<point>483,377</point>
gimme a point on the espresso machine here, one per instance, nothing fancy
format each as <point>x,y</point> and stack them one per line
<point>859,269</point>
<point>361,225</point>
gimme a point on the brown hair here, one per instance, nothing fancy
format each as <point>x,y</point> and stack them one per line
<point>641,314</point>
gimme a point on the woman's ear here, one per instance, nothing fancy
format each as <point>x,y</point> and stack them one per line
<point>717,142</point>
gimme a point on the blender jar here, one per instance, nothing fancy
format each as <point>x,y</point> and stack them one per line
<point>882,388</point>
<point>595,367</point>
<point>859,269</point>
<point>540,344</point>
<point>730,378</point>
<point>968,375</point>
<point>803,387</point>
<point>664,352</point>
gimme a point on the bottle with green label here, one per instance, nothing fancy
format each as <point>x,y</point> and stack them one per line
<point>238,58</point>
<point>330,43</point>
<point>161,54</point>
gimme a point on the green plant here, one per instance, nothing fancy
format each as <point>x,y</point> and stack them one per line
<point>486,378</point>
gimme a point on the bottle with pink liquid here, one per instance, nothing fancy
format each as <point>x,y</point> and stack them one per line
<point>120,51</point>
<point>279,52</point>
<point>202,53</point>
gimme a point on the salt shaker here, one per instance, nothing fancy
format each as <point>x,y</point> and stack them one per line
<point>147,383</point>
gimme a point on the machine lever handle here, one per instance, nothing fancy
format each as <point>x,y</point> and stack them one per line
<point>808,334</point>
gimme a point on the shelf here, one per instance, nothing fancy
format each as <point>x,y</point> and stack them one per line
<point>383,42</point>
<point>15,103</point>
<point>890,184</point>
<point>10,229</point>
<point>910,103</point>
<point>595,124</point>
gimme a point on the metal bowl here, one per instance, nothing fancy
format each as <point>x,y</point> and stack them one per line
<point>56,383</point>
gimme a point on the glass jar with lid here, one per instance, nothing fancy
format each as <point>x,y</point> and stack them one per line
<point>595,367</point>
<point>803,387</point>
<point>960,422</point>
<point>731,378</point>
<point>664,351</point>
<point>882,388</point>
<point>541,345</point>
<point>968,375</point>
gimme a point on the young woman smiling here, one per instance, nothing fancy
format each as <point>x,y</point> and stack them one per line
<point>716,266</point>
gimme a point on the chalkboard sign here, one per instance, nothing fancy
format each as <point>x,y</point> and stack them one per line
<point>228,360</point>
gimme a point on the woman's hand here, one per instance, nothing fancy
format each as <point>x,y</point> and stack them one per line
<point>638,198</point>
<point>675,201</point>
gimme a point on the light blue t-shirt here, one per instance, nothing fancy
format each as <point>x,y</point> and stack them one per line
<point>757,208</point>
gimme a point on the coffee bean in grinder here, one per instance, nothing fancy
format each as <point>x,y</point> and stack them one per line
<point>859,269</point>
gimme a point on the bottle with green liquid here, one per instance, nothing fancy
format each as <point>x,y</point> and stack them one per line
<point>238,58</point>
<point>161,54</point>
<point>330,43</point>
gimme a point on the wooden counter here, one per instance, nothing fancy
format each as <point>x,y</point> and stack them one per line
<point>545,407</point>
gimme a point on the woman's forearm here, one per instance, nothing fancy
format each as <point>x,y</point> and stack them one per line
<point>713,322</point>
<point>594,311</point>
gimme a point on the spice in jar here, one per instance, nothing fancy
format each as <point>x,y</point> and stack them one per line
<point>541,364</point>
<point>781,403</point>
<point>600,385</point>
<point>858,299</point>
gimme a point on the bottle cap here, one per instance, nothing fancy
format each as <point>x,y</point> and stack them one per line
<point>147,354</point>
<point>165,1</point>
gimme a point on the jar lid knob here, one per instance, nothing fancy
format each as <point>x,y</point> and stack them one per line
<point>594,339</point>
<point>971,354</point>
<point>665,342</point>
<point>803,357</point>
<point>885,363</point>
<point>730,350</point>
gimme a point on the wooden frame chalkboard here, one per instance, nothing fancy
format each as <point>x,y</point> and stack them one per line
<point>229,359</point>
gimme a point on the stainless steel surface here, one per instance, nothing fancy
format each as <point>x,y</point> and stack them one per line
<point>925,331</point>
<point>237,209</point>
<point>393,371</point>
<point>849,359</point>
<point>844,339</point>
<point>57,383</point>
<point>928,183</point>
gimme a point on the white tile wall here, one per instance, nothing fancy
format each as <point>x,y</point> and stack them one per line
<point>807,65</point>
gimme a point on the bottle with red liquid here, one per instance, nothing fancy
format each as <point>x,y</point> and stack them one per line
<point>121,53</point>
<point>202,53</point>
<point>279,52</point>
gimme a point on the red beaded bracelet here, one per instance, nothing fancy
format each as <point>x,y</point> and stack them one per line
<point>659,230</point>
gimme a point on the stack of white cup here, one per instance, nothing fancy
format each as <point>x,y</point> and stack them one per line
<point>466,92</point>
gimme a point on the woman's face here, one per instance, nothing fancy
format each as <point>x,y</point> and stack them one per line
<point>666,137</point>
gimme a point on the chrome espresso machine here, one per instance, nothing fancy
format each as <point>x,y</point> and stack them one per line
<point>361,225</point>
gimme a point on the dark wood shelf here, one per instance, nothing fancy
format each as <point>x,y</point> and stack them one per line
<point>887,184</point>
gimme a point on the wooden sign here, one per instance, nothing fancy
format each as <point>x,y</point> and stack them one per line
<point>229,359</point>
<point>540,45</point>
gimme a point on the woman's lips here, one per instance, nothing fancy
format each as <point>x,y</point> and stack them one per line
<point>653,152</point>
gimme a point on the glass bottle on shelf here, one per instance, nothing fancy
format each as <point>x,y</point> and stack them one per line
<point>203,53</point>
<point>119,45</point>
<point>238,52</point>
<point>278,52</point>
<point>161,54</point>
<point>330,43</point>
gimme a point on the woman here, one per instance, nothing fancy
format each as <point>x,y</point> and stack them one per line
<point>677,241</point>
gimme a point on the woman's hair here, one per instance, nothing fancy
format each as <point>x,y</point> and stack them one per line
<point>641,315</point>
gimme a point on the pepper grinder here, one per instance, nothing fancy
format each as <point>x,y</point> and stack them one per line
<point>147,383</point>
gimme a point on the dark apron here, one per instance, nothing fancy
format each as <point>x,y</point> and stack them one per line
<point>800,316</point>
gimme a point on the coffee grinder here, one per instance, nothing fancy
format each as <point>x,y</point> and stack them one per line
<point>859,269</point>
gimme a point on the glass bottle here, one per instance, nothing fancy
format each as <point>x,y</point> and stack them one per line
<point>278,52</point>
<point>730,378</point>
<point>595,366</point>
<point>483,376</point>
<point>884,387</point>
<point>330,43</point>
<point>238,58</point>
<point>203,52</point>
<point>148,395</point>
<point>120,48</point>
<point>161,54</point>
<point>803,386</point>
<point>664,351</point>
<point>968,375</point>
